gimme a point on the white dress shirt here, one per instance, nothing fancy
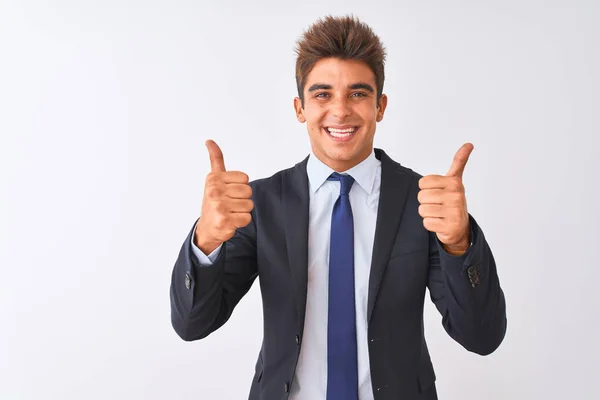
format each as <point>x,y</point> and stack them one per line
<point>310,381</point>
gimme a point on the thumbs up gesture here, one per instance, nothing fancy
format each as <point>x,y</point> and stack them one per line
<point>443,204</point>
<point>226,204</point>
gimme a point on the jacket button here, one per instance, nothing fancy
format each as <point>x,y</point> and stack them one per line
<point>286,387</point>
<point>473,275</point>
<point>297,339</point>
<point>188,280</point>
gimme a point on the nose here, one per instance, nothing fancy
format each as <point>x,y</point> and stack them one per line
<point>341,107</point>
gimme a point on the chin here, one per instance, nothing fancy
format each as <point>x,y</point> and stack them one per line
<point>341,154</point>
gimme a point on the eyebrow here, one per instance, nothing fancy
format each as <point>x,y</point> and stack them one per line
<point>362,85</point>
<point>354,86</point>
<point>319,86</point>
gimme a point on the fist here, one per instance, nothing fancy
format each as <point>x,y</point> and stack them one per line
<point>443,204</point>
<point>226,204</point>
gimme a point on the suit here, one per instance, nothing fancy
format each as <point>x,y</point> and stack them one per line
<point>406,260</point>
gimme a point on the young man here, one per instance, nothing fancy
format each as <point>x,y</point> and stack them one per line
<point>344,244</point>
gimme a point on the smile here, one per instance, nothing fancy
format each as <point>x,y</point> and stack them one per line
<point>341,134</point>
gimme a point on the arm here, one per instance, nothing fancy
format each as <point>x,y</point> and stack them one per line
<point>466,291</point>
<point>203,297</point>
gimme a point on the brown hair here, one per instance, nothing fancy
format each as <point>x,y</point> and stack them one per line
<point>342,37</point>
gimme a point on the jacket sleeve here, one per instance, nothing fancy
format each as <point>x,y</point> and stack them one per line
<point>204,297</point>
<point>466,291</point>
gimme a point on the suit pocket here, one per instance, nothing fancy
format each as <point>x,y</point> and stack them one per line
<point>409,246</point>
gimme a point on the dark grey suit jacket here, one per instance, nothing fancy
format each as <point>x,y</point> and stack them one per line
<point>406,260</point>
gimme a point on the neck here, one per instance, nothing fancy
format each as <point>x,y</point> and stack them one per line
<point>343,165</point>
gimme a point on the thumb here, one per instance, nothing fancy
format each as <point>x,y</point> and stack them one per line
<point>460,160</point>
<point>217,164</point>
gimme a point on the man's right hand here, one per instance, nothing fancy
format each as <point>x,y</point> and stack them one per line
<point>226,204</point>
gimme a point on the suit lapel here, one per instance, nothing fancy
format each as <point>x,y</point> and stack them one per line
<point>295,198</point>
<point>395,183</point>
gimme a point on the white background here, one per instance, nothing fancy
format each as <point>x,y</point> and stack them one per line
<point>104,110</point>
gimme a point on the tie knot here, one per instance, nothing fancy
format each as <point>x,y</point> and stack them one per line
<point>346,182</point>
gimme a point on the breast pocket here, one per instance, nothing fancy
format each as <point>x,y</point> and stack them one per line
<point>409,246</point>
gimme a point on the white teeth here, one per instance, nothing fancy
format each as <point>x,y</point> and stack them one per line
<point>333,130</point>
<point>340,133</point>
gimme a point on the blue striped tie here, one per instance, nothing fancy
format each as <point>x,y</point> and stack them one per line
<point>342,363</point>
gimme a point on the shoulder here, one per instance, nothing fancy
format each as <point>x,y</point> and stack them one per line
<point>274,183</point>
<point>388,162</point>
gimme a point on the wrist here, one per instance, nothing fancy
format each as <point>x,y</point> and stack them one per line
<point>205,244</point>
<point>455,250</point>
<point>207,247</point>
<point>459,248</point>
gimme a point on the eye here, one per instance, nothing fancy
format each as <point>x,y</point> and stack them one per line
<point>358,94</point>
<point>322,95</point>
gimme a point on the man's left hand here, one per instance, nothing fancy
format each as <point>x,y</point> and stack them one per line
<point>444,205</point>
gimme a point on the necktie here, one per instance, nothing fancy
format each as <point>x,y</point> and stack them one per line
<point>342,363</point>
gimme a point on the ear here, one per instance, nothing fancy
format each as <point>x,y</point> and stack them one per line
<point>299,110</point>
<point>381,107</point>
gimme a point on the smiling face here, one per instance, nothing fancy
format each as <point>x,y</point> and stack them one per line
<point>340,111</point>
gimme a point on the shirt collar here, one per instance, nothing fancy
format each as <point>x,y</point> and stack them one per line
<point>363,173</point>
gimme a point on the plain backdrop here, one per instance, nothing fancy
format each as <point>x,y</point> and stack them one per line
<point>104,110</point>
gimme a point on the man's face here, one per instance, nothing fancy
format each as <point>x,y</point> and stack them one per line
<point>340,111</point>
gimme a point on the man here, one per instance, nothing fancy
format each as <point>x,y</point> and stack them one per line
<point>344,244</point>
